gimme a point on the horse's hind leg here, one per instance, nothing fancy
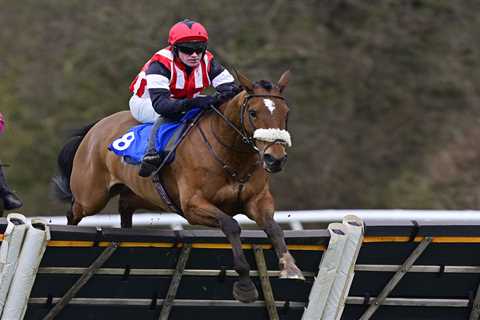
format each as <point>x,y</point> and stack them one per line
<point>70,218</point>
<point>89,202</point>
<point>126,208</point>
<point>78,211</point>
<point>75,214</point>
<point>128,203</point>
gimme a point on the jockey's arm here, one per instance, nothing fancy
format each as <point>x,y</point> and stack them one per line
<point>158,78</point>
<point>223,82</point>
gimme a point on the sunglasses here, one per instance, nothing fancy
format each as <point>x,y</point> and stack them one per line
<point>190,48</point>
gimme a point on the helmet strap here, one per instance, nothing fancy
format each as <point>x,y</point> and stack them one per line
<point>175,51</point>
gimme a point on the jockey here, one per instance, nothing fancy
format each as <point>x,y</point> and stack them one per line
<point>10,200</point>
<point>170,83</point>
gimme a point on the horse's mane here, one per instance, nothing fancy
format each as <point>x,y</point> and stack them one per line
<point>263,84</point>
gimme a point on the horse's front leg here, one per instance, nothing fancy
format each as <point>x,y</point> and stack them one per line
<point>204,213</point>
<point>261,209</point>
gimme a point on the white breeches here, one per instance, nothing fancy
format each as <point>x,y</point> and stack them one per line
<point>142,109</point>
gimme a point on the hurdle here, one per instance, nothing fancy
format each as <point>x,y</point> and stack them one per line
<point>354,269</point>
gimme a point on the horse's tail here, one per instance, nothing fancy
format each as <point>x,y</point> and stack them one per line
<point>61,182</point>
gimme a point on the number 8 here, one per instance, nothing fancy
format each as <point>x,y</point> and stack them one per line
<point>124,141</point>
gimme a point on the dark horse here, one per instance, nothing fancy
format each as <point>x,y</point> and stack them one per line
<point>221,168</point>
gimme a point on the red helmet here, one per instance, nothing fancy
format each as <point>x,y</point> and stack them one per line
<point>187,30</point>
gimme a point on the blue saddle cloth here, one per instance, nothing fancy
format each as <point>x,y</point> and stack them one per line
<point>134,143</point>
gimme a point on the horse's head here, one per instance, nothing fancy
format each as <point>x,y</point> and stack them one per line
<point>264,114</point>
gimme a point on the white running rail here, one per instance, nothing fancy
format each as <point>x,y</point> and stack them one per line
<point>295,219</point>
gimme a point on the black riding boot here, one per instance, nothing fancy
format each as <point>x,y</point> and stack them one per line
<point>152,159</point>
<point>10,200</point>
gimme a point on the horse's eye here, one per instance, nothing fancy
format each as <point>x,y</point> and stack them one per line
<point>252,113</point>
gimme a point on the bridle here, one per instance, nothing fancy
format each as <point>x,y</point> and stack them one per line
<point>232,172</point>
<point>242,131</point>
<point>246,138</point>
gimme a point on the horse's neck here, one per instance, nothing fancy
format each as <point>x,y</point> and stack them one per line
<point>227,135</point>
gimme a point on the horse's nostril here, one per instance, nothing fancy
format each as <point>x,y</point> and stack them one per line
<point>269,159</point>
<point>272,161</point>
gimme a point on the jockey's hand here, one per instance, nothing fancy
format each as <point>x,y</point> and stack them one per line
<point>223,97</point>
<point>236,90</point>
<point>202,102</point>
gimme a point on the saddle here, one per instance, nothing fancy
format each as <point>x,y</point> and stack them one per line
<point>133,145</point>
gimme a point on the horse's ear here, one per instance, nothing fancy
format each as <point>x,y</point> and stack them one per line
<point>283,82</point>
<point>244,81</point>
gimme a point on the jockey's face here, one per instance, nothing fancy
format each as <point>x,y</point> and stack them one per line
<point>190,53</point>
<point>191,60</point>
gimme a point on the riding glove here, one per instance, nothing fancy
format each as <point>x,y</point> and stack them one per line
<point>202,102</point>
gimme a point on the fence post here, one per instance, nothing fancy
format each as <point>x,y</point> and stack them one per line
<point>335,275</point>
<point>31,254</point>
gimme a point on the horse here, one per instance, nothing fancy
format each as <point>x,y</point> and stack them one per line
<point>222,167</point>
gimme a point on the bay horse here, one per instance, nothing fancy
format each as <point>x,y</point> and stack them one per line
<point>221,168</point>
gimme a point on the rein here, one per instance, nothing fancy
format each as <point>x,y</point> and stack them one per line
<point>232,147</point>
<point>242,131</point>
<point>249,140</point>
<point>230,170</point>
<point>245,138</point>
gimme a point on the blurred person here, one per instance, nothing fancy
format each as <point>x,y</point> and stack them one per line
<point>170,83</point>
<point>10,200</point>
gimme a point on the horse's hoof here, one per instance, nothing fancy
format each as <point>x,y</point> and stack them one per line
<point>245,293</point>
<point>292,273</point>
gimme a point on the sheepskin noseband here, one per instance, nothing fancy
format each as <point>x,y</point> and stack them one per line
<point>273,134</point>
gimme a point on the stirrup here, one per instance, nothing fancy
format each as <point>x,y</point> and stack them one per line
<point>150,164</point>
<point>146,169</point>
